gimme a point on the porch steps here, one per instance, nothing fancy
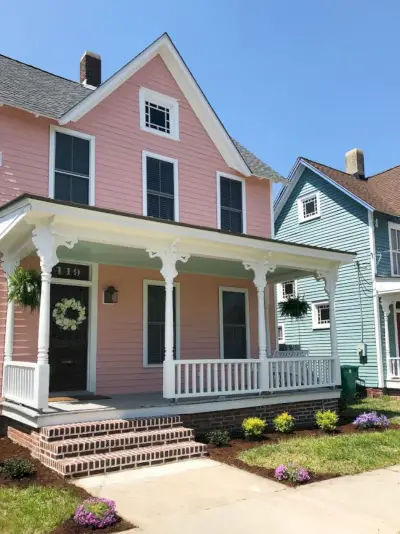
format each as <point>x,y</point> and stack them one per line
<point>98,447</point>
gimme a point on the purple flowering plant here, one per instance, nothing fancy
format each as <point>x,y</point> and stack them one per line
<point>371,420</point>
<point>96,512</point>
<point>293,473</point>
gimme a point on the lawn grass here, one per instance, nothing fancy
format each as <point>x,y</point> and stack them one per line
<point>35,509</point>
<point>345,454</point>
<point>385,405</point>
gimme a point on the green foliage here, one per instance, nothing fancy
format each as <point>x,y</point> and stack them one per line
<point>284,423</point>
<point>219,438</point>
<point>327,420</point>
<point>253,427</point>
<point>25,286</point>
<point>294,307</point>
<point>17,468</point>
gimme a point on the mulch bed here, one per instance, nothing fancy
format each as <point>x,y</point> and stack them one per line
<point>229,455</point>
<point>46,477</point>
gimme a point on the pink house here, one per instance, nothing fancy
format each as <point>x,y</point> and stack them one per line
<point>153,232</point>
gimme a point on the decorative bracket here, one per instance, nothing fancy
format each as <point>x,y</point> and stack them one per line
<point>9,264</point>
<point>47,239</point>
<point>330,280</point>
<point>169,255</point>
<point>386,302</point>
<point>260,268</point>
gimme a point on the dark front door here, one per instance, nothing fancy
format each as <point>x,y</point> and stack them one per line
<point>68,349</point>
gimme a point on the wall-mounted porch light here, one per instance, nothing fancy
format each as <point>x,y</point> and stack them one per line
<point>110,295</point>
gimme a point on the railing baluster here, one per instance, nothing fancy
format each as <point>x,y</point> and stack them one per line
<point>222,368</point>
<point>186,367</point>
<point>249,367</point>
<point>201,378</point>
<point>194,378</point>
<point>236,377</point>
<point>229,377</point>
<point>209,388</point>
<point>242,375</point>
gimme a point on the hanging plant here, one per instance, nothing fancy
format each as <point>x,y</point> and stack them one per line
<point>294,307</point>
<point>24,288</point>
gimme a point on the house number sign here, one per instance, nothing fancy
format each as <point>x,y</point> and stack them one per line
<point>71,271</point>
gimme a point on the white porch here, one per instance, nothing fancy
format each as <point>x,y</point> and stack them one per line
<point>48,227</point>
<point>388,291</point>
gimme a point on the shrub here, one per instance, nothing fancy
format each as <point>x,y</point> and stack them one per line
<point>371,420</point>
<point>96,512</point>
<point>253,427</point>
<point>284,423</point>
<point>219,438</point>
<point>292,473</point>
<point>327,420</point>
<point>17,468</point>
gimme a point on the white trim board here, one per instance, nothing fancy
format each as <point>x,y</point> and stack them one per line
<point>244,211</point>
<point>294,176</point>
<point>159,99</point>
<point>221,290</point>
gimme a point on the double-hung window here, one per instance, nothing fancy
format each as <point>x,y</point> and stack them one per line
<point>231,203</point>
<point>71,166</point>
<point>309,207</point>
<point>234,324</point>
<point>160,187</point>
<point>154,322</point>
<point>320,315</point>
<point>394,230</point>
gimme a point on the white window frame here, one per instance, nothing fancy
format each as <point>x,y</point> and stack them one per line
<point>281,298</point>
<point>244,211</point>
<point>314,309</point>
<point>221,318</point>
<point>146,284</point>
<point>300,202</point>
<point>145,155</point>
<point>392,226</point>
<point>52,159</point>
<point>160,100</point>
<point>283,340</point>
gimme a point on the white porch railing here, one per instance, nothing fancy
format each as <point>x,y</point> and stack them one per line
<point>394,368</point>
<point>26,383</point>
<point>205,378</point>
<point>290,354</point>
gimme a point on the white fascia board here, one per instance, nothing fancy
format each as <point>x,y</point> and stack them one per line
<point>294,177</point>
<point>183,77</point>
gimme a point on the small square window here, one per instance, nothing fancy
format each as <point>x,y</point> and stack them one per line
<point>287,290</point>
<point>281,334</point>
<point>309,207</point>
<point>320,314</point>
<point>159,114</point>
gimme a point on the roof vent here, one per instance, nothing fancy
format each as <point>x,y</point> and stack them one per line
<point>90,69</point>
<point>355,163</point>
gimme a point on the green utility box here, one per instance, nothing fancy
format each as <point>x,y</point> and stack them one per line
<point>349,382</point>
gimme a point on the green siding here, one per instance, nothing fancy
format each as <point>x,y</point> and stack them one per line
<point>343,225</point>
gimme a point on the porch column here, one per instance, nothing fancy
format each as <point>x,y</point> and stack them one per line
<point>260,269</point>
<point>386,302</point>
<point>169,255</point>
<point>9,264</point>
<point>330,280</point>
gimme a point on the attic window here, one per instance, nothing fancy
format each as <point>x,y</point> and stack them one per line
<point>309,207</point>
<point>159,114</point>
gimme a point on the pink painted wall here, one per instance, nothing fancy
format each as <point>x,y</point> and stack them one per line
<point>24,141</point>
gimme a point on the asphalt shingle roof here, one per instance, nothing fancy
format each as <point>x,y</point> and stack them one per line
<point>35,90</point>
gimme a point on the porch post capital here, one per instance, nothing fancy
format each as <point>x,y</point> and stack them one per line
<point>47,239</point>
<point>260,268</point>
<point>169,254</point>
<point>386,301</point>
<point>9,264</point>
<point>330,280</point>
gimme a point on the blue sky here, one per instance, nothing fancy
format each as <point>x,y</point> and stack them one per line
<point>289,78</point>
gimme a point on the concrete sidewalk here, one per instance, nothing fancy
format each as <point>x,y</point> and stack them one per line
<point>200,496</point>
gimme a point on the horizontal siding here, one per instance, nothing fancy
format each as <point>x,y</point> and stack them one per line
<point>343,225</point>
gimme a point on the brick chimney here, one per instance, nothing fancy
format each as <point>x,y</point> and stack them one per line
<point>355,163</point>
<point>90,69</point>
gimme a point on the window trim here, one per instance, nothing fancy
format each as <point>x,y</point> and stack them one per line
<point>162,100</point>
<point>314,310</point>
<point>52,159</point>
<point>280,289</point>
<point>145,155</point>
<point>283,340</point>
<point>392,226</point>
<point>244,211</point>
<point>146,284</point>
<point>300,202</point>
<point>221,290</point>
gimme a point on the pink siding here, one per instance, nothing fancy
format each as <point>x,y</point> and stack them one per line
<point>24,141</point>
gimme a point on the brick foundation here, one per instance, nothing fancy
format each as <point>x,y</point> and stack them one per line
<point>374,393</point>
<point>304,412</point>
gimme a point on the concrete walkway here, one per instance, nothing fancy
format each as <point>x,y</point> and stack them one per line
<point>201,496</point>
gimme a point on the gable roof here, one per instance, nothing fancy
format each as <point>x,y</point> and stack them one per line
<point>380,192</point>
<point>45,94</point>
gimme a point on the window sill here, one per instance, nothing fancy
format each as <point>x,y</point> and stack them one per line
<point>321,326</point>
<point>310,218</point>
<point>160,134</point>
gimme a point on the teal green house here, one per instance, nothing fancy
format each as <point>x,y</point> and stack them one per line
<point>346,210</point>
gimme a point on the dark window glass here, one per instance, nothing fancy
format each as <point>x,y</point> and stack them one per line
<point>156,324</point>
<point>160,189</point>
<point>72,169</point>
<point>231,205</point>
<point>234,324</point>
<point>324,314</point>
<point>157,117</point>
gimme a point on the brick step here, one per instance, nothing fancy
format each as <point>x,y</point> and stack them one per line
<point>98,428</point>
<point>113,442</point>
<point>123,459</point>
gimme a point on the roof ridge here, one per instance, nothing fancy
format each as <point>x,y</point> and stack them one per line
<point>41,70</point>
<point>383,172</point>
<point>329,167</point>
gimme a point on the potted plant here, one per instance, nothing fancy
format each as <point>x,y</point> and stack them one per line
<point>295,308</point>
<point>24,288</point>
